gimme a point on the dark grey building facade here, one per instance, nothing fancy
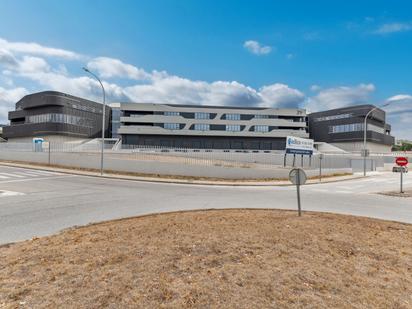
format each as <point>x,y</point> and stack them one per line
<point>52,113</point>
<point>343,128</point>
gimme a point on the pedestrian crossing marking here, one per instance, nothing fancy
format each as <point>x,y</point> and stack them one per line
<point>26,174</point>
<point>4,193</point>
<point>11,175</point>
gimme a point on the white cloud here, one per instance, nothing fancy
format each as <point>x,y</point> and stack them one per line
<point>399,115</point>
<point>37,49</point>
<point>315,88</point>
<point>8,97</point>
<point>174,89</point>
<point>281,95</point>
<point>401,103</point>
<point>290,56</point>
<point>7,59</point>
<point>31,64</point>
<point>110,67</point>
<point>331,98</point>
<point>393,27</point>
<point>256,48</point>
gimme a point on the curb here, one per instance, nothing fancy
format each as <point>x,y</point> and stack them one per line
<point>284,183</point>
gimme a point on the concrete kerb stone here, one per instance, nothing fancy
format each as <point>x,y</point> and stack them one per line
<point>179,181</point>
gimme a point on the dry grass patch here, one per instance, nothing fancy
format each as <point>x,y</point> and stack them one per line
<point>214,259</point>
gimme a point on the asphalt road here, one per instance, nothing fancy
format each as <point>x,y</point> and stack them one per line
<point>38,203</point>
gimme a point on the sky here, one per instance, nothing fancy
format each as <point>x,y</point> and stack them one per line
<point>316,55</point>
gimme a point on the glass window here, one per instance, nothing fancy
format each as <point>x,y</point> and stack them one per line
<point>261,116</point>
<point>232,116</point>
<point>171,126</point>
<point>352,127</point>
<point>59,118</point>
<point>202,127</point>
<point>260,128</point>
<point>171,114</point>
<point>333,117</point>
<point>201,115</point>
<point>233,127</point>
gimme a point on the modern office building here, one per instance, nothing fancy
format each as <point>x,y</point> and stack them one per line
<point>343,128</point>
<point>209,127</point>
<point>56,115</point>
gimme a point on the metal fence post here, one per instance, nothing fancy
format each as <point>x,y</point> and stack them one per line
<point>320,167</point>
<point>49,153</point>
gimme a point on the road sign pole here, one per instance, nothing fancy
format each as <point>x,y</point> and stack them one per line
<point>298,177</point>
<point>402,179</point>
<point>298,193</point>
<point>294,158</point>
<point>320,168</point>
<point>49,153</point>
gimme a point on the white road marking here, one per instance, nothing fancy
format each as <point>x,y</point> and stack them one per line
<point>44,172</point>
<point>4,177</point>
<point>4,193</point>
<point>28,174</point>
<point>11,175</point>
<point>36,179</point>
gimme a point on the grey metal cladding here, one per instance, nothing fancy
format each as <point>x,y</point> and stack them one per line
<point>87,113</point>
<point>321,122</point>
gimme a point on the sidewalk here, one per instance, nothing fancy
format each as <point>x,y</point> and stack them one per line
<point>178,180</point>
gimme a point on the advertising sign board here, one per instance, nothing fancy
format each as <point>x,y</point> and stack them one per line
<point>298,145</point>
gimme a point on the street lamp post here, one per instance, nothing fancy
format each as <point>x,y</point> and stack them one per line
<point>103,119</point>
<point>364,136</point>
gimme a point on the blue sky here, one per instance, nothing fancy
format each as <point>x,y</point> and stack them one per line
<point>312,54</point>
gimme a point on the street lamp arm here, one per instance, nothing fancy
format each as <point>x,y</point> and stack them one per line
<point>365,126</point>
<point>100,82</point>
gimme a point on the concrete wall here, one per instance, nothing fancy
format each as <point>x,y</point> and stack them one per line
<point>358,146</point>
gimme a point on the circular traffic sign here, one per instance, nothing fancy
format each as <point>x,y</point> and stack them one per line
<point>297,176</point>
<point>401,161</point>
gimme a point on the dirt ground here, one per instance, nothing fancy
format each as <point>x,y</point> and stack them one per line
<point>406,193</point>
<point>214,259</point>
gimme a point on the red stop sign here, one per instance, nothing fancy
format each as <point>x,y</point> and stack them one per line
<point>401,161</point>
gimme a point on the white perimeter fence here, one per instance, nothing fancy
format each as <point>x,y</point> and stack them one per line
<point>234,164</point>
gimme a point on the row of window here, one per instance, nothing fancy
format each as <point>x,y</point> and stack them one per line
<point>206,127</point>
<point>203,115</point>
<point>333,117</point>
<point>202,127</point>
<point>60,118</point>
<point>354,127</point>
<point>261,128</point>
<point>171,113</point>
<point>232,116</point>
<point>171,126</point>
<point>233,127</point>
